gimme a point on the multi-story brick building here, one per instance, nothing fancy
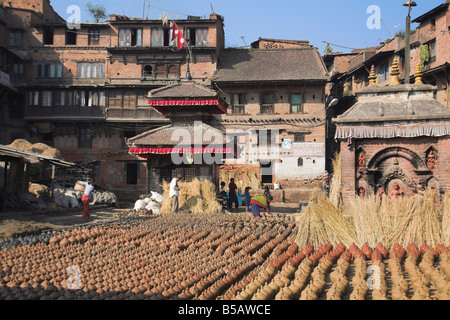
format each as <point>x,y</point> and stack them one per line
<point>429,47</point>
<point>84,90</point>
<point>276,93</point>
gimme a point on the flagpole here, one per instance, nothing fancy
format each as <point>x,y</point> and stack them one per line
<point>188,69</point>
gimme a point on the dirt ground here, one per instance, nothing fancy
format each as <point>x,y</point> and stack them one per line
<point>15,223</point>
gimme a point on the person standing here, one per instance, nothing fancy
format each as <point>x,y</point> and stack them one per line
<point>326,183</point>
<point>232,195</point>
<point>248,198</point>
<point>86,198</point>
<point>174,193</point>
<point>260,201</point>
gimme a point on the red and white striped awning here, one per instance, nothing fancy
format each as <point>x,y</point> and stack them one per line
<point>202,150</point>
<point>159,104</point>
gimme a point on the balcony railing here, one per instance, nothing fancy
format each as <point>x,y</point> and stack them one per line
<point>91,113</point>
<point>63,113</point>
<point>133,113</point>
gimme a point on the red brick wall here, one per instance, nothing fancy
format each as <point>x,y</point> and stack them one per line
<point>372,147</point>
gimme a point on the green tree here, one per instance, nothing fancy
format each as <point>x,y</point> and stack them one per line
<point>97,11</point>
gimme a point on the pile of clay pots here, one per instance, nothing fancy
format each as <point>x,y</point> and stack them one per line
<point>169,257</point>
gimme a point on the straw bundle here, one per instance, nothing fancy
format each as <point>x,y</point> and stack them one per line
<point>446,219</point>
<point>425,226</point>
<point>323,222</point>
<point>38,148</point>
<point>244,176</point>
<point>381,221</point>
<point>336,182</point>
<point>197,196</point>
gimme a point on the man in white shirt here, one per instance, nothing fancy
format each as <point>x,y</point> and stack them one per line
<point>88,187</point>
<point>174,193</point>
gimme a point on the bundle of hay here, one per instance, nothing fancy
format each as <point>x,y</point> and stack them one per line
<point>198,196</point>
<point>336,182</point>
<point>425,225</point>
<point>244,176</point>
<point>38,148</point>
<point>380,221</point>
<point>322,222</point>
<point>446,219</point>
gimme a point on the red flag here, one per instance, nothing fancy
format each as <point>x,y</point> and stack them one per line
<point>175,31</point>
<point>181,41</point>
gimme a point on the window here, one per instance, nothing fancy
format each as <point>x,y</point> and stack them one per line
<point>300,162</point>
<point>267,100</point>
<point>202,37</point>
<point>47,98</point>
<point>85,138</point>
<point>173,72</point>
<point>432,50</point>
<point>34,98</point>
<point>131,172</point>
<point>115,99</point>
<point>197,36</point>
<point>18,68</point>
<point>47,36</point>
<point>130,37</point>
<point>296,103</point>
<point>15,39</point>
<point>48,70</point>
<point>384,72</point>
<point>266,137</point>
<point>147,71</point>
<point>162,37</point>
<point>91,71</point>
<point>129,100</point>
<point>299,137</point>
<point>94,37</point>
<point>161,71</point>
<point>71,37</point>
<point>238,101</point>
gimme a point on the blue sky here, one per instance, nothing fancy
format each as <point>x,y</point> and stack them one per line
<point>340,22</point>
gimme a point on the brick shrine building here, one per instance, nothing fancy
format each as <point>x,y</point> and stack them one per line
<point>394,135</point>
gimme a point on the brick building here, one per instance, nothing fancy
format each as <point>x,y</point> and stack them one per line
<point>276,93</point>
<point>397,135</point>
<point>84,90</point>
<point>430,43</point>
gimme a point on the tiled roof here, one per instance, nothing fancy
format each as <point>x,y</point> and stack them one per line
<point>173,135</point>
<point>182,90</point>
<point>252,65</point>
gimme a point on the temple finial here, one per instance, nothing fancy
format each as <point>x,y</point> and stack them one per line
<point>395,73</point>
<point>372,77</point>
<point>418,75</point>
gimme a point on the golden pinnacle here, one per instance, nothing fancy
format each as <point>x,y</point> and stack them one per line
<point>372,77</point>
<point>418,75</point>
<point>394,73</point>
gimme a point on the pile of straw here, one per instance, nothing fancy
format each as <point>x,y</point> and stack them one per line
<point>244,176</point>
<point>336,182</point>
<point>38,148</point>
<point>389,221</point>
<point>446,218</point>
<point>322,222</point>
<point>198,196</point>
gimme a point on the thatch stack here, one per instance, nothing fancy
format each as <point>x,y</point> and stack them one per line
<point>198,196</point>
<point>404,220</point>
<point>322,222</point>
<point>446,218</point>
<point>244,176</point>
<point>38,148</point>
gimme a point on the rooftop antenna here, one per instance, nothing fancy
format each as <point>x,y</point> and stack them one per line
<point>148,9</point>
<point>390,36</point>
<point>243,39</point>
<point>212,9</point>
